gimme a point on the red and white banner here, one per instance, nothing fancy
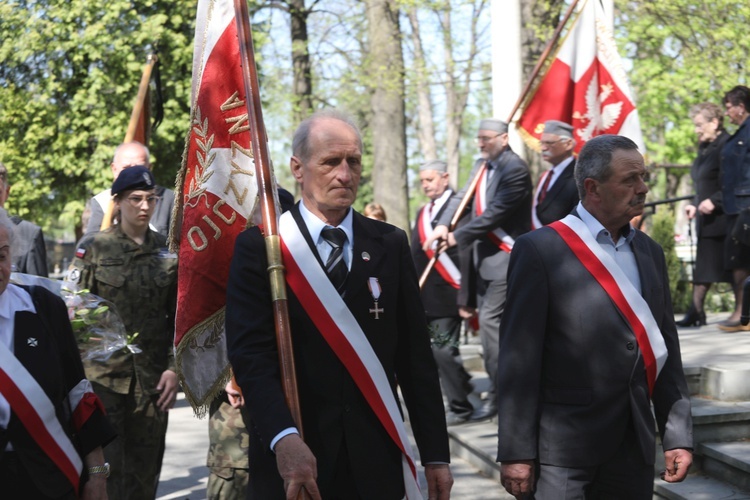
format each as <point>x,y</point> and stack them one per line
<point>339,327</point>
<point>585,86</point>
<point>217,193</point>
<point>444,265</point>
<point>36,412</point>
<point>621,291</point>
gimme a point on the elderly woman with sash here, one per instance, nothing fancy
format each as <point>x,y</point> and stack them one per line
<point>52,425</point>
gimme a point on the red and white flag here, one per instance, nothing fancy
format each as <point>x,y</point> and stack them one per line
<point>585,86</point>
<point>217,192</point>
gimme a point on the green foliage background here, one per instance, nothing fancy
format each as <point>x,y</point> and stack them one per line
<point>69,76</point>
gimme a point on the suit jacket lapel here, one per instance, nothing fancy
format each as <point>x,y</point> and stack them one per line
<point>367,256</point>
<point>646,269</point>
<point>558,186</point>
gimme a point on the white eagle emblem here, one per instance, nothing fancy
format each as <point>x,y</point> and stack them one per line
<point>597,118</point>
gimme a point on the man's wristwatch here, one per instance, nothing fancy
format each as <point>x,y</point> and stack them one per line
<point>100,469</point>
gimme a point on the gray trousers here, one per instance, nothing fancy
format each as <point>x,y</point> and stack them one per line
<point>491,303</point>
<point>626,476</point>
<point>454,379</point>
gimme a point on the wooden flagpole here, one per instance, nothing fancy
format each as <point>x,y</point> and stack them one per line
<point>270,213</point>
<point>139,118</point>
<point>469,194</point>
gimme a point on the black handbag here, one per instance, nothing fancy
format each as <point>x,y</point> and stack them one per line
<point>741,229</point>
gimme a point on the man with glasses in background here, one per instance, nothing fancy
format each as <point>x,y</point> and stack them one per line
<point>130,154</point>
<point>556,193</point>
<point>499,213</point>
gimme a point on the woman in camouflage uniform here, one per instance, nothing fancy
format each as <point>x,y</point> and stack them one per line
<point>129,265</point>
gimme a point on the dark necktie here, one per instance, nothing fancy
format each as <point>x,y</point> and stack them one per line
<point>543,192</point>
<point>336,266</point>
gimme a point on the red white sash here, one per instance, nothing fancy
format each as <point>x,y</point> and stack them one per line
<point>444,265</point>
<point>499,237</point>
<point>535,222</point>
<point>629,302</point>
<point>337,324</point>
<point>37,414</point>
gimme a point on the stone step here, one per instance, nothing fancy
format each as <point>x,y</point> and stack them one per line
<point>728,462</point>
<point>698,487</point>
<point>720,421</point>
<point>726,381</point>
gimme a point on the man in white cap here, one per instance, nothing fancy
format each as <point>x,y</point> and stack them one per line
<point>556,194</point>
<point>500,212</point>
<point>440,293</point>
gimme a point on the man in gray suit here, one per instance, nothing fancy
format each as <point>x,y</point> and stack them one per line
<point>29,252</point>
<point>588,342</point>
<point>500,212</point>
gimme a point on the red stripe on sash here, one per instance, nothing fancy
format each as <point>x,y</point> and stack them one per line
<point>608,283</point>
<point>36,428</point>
<point>340,345</point>
<point>442,271</point>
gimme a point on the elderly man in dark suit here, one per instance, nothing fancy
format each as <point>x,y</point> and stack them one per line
<point>500,212</point>
<point>29,251</point>
<point>556,193</point>
<point>588,342</point>
<point>440,293</point>
<point>358,329</point>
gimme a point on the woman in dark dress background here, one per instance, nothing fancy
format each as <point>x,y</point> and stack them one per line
<point>709,217</point>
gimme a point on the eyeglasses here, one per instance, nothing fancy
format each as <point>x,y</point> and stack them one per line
<point>552,143</point>
<point>137,201</point>
<point>482,139</point>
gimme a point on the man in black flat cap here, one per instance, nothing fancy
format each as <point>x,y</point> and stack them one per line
<point>499,213</point>
<point>556,193</point>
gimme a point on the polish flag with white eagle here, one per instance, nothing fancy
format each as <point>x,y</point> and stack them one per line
<point>217,193</point>
<point>585,86</point>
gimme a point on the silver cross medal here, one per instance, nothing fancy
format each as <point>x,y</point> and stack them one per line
<point>374,286</point>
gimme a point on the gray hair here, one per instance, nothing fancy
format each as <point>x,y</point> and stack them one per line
<point>3,173</point>
<point>709,111</point>
<point>301,140</point>
<point>9,227</point>
<point>595,160</point>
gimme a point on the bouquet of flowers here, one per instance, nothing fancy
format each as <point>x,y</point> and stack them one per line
<point>96,325</point>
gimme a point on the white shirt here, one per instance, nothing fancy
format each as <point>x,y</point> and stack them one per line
<point>555,173</point>
<point>14,299</point>
<point>621,251</point>
<point>438,203</point>
<point>315,226</point>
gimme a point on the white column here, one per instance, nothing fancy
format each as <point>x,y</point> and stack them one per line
<point>507,79</point>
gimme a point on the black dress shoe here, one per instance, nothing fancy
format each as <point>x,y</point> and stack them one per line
<point>692,318</point>
<point>487,411</point>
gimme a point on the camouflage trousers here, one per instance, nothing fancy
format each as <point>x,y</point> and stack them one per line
<point>136,454</point>
<point>227,483</point>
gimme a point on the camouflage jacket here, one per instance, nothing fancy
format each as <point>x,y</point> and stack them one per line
<point>141,282</point>
<point>228,437</point>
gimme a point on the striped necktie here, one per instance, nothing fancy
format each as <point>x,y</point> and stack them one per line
<point>336,266</point>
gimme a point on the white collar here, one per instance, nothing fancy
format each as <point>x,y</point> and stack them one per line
<point>15,299</point>
<point>315,225</point>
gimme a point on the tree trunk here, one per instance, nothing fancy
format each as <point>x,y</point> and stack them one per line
<point>426,124</point>
<point>301,75</point>
<point>388,123</point>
